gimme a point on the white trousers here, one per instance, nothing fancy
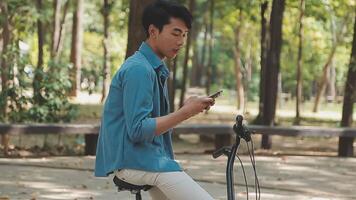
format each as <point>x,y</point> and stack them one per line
<point>167,185</point>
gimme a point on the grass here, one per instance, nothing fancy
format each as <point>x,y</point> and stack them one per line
<point>89,113</point>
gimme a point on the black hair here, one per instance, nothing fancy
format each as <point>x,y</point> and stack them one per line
<point>160,12</point>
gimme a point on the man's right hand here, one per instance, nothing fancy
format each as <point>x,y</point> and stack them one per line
<point>194,105</point>
<point>191,107</point>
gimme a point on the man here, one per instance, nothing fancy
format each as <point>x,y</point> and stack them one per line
<point>135,134</point>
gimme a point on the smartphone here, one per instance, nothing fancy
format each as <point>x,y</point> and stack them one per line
<point>216,94</point>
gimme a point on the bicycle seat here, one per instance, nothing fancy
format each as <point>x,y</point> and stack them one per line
<point>123,185</point>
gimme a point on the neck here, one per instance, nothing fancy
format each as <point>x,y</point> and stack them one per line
<point>153,46</point>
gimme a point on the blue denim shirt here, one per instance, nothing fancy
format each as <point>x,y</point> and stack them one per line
<point>127,137</point>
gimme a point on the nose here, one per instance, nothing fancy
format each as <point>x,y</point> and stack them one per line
<point>181,41</point>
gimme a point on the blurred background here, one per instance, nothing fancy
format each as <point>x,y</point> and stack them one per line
<point>279,63</point>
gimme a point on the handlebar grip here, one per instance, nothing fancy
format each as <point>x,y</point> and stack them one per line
<point>218,152</point>
<point>223,150</point>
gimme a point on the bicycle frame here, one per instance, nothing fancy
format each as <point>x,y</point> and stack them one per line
<point>230,170</point>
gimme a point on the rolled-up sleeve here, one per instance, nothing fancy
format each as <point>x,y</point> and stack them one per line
<point>138,84</point>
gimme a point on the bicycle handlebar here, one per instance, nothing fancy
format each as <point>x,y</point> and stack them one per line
<point>241,132</point>
<point>223,150</point>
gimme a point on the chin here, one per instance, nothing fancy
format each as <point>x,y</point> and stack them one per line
<point>171,56</point>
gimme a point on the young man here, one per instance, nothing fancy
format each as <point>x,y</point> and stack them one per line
<point>135,134</point>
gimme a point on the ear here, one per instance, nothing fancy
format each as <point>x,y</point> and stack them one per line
<point>153,31</point>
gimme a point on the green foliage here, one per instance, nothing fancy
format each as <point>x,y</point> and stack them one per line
<point>54,87</point>
<point>253,88</point>
<point>226,21</point>
<point>54,106</point>
<point>13,98</point>
<point>51,105</point>
<point>317,44</point>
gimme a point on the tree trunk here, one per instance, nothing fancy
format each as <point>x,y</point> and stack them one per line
<point>248,78</point>
<point>203,56</point>
<point>56,26</point>
<point>264,48</point>
<point>279,91</point>
<point>5,42</point>
<point>272,68</point>
<point>38,72</point>
<point>57,39</point>
<point>172,83</point>
<point>324,79</point>
<point>172,64</point>
<point>336,38</point>
<point>194,81</point>
<point>5,67</point>
<point>186,58</point>
<point>58,30</point>
<point>106,64</point>
<point>195,69</point>
<point>331,91</point>
<point>346,143</point>
<point>238,74</point>
<point>211,37</point>
<point>328,85</point>
<point>136,33</point>
<point>76,50</point>
<point>299,88</point>
<point>249,63</point>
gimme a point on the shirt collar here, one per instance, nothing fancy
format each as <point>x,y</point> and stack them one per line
<point>153,59</point>
<point>150,55</point>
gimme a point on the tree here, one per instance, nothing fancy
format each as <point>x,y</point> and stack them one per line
<point>264,47</point>
<point>77,38</point>
<point>6,34</point>
<point>299,63</point>
<point>106,64</point>
<point>58,27</point>
<point>272,68</point>
<point>195,72</point>
<point>136,33</point>
<point>210,50</point>
<point>198,57</point>
<point>172,80</point>
<point>38,72</point>
<point>337,37</point>
<point>186,58</point>
<point>238,67</point>
<point>5,45</point>
<point>346,143</point>
<point>203,50</point>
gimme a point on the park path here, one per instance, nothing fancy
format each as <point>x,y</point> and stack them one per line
<point>285,177</point>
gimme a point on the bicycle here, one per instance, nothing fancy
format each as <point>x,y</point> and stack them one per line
<point>242,132</point>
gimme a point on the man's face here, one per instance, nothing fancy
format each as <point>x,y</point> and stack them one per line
<point>171,39</point>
